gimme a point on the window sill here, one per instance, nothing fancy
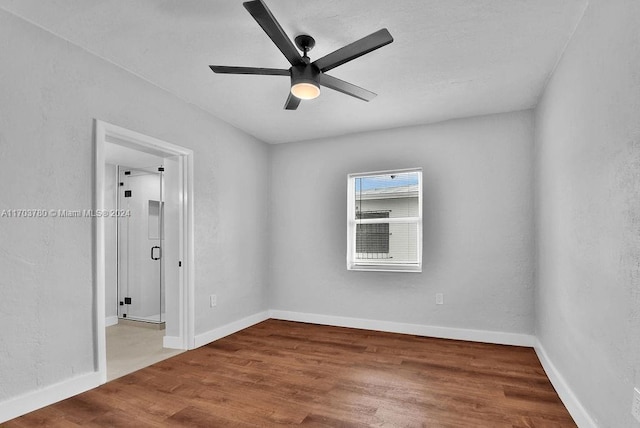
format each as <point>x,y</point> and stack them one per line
<point>385,268</point>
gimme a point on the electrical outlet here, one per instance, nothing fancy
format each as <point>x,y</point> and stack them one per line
<point>213,300</point>
<point>439,299</point>
<point>635,407</point>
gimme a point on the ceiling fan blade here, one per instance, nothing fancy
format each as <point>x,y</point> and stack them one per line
<point>249,70</point>
<point>261,13</point>
<point>354,50</point>
<point>346,87</point>
<point>292,102</point>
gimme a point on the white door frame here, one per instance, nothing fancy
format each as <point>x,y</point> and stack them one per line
<point>108,133</point>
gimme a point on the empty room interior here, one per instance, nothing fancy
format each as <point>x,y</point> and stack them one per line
<point>320,213</point>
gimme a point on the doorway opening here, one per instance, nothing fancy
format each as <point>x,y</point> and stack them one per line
<point>143,242</point>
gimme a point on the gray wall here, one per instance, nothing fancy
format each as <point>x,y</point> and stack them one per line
<point>588,211</point>
<point>478,225</point>
<point>50,93</point>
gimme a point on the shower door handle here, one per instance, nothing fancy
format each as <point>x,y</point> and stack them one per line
<point>153,254</point>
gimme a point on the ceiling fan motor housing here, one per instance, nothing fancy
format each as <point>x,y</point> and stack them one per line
<point>307,73</point>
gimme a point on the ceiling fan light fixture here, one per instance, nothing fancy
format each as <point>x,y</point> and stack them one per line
<point>305,81</point>
<point>305,90</point>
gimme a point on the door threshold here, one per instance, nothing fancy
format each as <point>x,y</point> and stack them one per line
<point>143,324</point>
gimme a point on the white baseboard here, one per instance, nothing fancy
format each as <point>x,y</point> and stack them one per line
<point>569,399</point>
<point>486,336</point>
<point>173,342</point>
<point>227,329</point>
<point>112,320</point>
<point>37,399</point>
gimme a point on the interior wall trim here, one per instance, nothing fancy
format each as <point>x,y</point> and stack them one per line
<point>496,337</point>
<point>566,394</point>
<point>172,342</point>
<point>228,329</point>
<point>39,398</point>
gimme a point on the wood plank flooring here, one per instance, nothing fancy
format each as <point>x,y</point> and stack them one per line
<point>280,373</point>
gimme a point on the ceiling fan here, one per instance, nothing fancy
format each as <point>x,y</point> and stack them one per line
<point>306,76</point>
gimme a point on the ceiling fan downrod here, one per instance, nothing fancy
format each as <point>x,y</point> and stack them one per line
<point>305,43</point>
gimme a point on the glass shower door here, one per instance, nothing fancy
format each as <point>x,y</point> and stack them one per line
<point>140,238</point>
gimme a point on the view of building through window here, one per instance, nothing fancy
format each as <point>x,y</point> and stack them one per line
<point>372,240</point>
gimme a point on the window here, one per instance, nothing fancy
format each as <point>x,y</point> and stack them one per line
<point>385,221</point>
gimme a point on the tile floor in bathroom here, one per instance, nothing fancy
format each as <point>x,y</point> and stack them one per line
<point>131,348</point>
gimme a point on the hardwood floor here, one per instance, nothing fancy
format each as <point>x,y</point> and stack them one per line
<point>284,373</point>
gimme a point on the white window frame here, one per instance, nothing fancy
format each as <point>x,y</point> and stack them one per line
<point>381,265</point>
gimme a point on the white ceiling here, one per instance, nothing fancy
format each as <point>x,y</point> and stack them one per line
<point>450,58</point>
